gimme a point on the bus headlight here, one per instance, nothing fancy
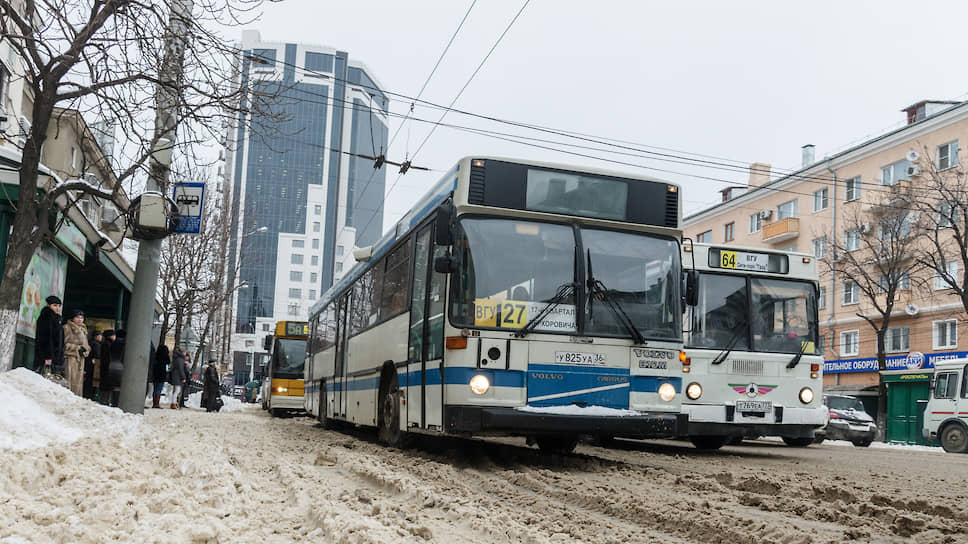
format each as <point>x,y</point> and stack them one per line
<point>667,391</point>
<point>479,384</point>
<point>281,390</point>
<point>806,395</point>
<point>693,391</point>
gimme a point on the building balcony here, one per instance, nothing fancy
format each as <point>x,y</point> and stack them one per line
<point>781,230</point>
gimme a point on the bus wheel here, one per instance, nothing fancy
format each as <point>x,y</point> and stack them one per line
<point>708,442</point>
<point>389,405</point>
<point>954,439</point>
<point>276,412</point>
<point>556,443</point>
<point>798,442</point>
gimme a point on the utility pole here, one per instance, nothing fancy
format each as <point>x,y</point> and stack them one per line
<point>136,351</point>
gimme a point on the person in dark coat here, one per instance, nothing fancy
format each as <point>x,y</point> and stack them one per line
<point>49,346</point>
<point>177,377</point>
<point>116,367</point>
<point>159,374</point>
<point>211,386</point>
<point>104,385</point>
<point>92,365</point>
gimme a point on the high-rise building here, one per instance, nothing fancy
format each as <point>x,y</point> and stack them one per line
<point>301,195</point>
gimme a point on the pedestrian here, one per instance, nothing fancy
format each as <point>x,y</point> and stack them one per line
<point>104,385</point>
<point>92,365</point>
<point>211,386</point>
<point>187,389</point>
<point>116,366</point>
<point>75,349</point>
<point>177,377</point>
<point>49,345</point>
<point>159,374</point>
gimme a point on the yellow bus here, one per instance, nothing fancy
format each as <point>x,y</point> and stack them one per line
<point>282,379</point>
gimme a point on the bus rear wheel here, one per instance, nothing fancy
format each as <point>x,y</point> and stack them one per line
<point>798,442</point>
<point>954,439</point>
<point>708,442</point>
<point>554,443</point>
<point>389,418</point>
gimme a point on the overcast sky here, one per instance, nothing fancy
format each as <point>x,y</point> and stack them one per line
<point>743,81</point>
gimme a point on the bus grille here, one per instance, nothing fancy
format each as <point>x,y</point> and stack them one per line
<point>672,210</point>
<point>475,190</point>
<point>747,366</point>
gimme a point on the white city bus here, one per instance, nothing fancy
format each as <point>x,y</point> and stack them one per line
<point>516,298</point>
<point>753,367</point>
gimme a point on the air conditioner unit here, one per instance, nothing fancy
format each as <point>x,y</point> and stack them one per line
<point>88,208</point>
<point>766,214</point>
<point>913,171</point>
<point>912,156</point>
<point>24,133</point>
<point>110,218</point>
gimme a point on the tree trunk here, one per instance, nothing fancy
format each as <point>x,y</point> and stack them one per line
<point>881,386</point>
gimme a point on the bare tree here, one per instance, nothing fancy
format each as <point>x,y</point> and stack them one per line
<point>942,203</point>
<point>102,58</point>
<point>873,261</point>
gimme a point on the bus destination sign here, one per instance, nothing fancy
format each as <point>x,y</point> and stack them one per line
<point>751,261</point>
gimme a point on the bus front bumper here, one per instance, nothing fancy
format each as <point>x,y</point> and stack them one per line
<point>500,420</point>
<point>719,420</point>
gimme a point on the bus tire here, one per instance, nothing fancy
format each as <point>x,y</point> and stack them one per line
<point>708,442</point>
<point>555,443</point>
<point>954,438</point>
<point>275,412</point>
<point>388,403</point>
<point>798,441</point>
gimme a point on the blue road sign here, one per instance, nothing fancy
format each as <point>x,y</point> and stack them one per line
<point>189,197</point>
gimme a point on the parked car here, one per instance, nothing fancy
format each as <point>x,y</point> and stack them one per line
<point>848,421</point>
<point>239,392</point>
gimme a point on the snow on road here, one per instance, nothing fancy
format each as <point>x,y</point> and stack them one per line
<point>241,476</point>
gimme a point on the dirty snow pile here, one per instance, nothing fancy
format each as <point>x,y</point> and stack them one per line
<point>36,412</point>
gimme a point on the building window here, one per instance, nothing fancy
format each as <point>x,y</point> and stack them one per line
<point>853,189</point>
<point>317,209</point>
<point>295,276</point>
<point>315,243</point>
<point>820,200</point>
<point>339,268</point>
<point>952,271</point>
<point>312,294</point>
<point>265,327</point>
<point>789,249</point>
<point>294,309</point>
<point>314,260</point>
<point>787,209</point>
<point>851,293</point>
<point>849,343</point>
<point>822,299</point>
<point>853,239</point>
<point>728,232</point>
<point>339,251</point>
<point>266,58</point>
<point>296,258</point>
<point>903,282</point>
<point>947,215</point>
<point>313,277</point>
<point>298,243</point>
<point>319,62</point>
<point>315,226</point>
<point>820,247</point>
<point>755,223</point>
<point>948,155</point>
<point>897,339</point>
<point>894,172</point>
<point>4,83</point>
<point>295,292</point>
<point>945,333</point>
<point>705,237</point>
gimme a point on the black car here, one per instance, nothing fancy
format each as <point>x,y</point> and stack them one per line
<point>848,421</point>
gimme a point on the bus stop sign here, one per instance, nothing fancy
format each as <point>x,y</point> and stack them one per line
<point>189,198</point>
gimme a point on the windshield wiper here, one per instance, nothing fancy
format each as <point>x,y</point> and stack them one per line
<point>565,290</point>
<point>597,287</point>
<point>796,358</point>
<point>731,344</point>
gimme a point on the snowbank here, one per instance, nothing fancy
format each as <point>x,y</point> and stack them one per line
<point>35,412</point>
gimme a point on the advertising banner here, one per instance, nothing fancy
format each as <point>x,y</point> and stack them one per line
<point>46,275</point>
<point>909,361</point>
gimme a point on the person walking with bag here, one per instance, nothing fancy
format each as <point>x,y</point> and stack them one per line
<point>210,386</point>
<point>159,374</point>
<point>177,377</point>
<point>75,348</point>
<point>49,340</point>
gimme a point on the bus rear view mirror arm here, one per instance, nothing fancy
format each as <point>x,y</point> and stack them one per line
<point>445,264</point>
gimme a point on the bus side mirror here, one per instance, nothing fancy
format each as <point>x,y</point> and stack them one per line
<point>692,287</point>
<point>443,233</point>
<point>445,264</point>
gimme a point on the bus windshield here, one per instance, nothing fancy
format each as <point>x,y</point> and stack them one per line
<point>775,315</point>
<point>288,357</point>
<point>512,270</point>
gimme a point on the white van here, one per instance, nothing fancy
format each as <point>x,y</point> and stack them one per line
<point>946,416</point>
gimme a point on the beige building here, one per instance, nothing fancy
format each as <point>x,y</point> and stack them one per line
<point>816,209</point>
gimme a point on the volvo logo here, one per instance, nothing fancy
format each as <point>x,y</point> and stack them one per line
<point>546,376</point>
<point>654,353</point>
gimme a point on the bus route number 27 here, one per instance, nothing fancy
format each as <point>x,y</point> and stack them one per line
<point>507,313</point>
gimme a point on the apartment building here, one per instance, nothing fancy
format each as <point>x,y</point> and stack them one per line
<point>828,207</point>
